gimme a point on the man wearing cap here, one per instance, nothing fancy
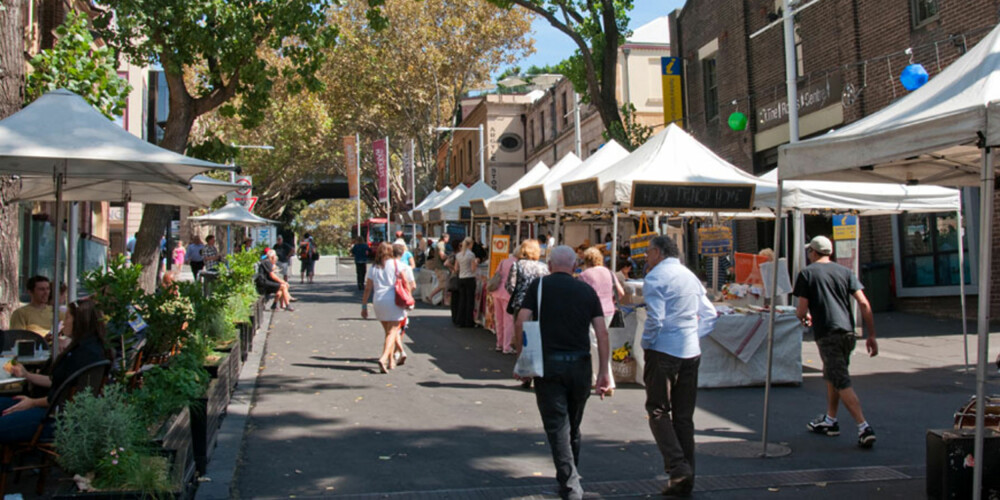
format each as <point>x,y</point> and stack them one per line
<point>824,289</point>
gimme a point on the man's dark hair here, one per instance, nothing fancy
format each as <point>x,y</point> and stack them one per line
<point>34,280</point>
<point>666,245</point>
<point>210,237</point>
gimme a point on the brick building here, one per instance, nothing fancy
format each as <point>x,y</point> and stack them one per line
<point>849,55</point>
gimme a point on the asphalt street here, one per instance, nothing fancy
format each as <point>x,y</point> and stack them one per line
<point>452,423</point>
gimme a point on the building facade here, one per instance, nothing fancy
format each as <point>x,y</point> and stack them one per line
<point>849,55</point>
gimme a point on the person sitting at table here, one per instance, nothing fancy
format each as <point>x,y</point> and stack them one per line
<point>21,414</point>
<point>37,315</point>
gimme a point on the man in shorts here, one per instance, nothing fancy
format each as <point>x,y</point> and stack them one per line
<point>824,289</point>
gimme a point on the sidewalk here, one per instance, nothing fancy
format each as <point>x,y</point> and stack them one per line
<point>453,424</point>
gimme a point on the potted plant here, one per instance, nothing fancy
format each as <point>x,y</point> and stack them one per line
<point>623,365</point>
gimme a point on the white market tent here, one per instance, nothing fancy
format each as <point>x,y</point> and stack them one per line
<point>941,133</point>
<point>609,154</point>
<point>417,213</point>
<point>444,198</point>
<point>498,204</point>
<point>552,180</point>
<point>430,196</point>
<point>450,206</point>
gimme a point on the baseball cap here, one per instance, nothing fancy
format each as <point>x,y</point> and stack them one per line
<point>821,245</point>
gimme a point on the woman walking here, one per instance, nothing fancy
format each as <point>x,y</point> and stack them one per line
<point>608,289</point>
<point>380,284</point>
<point>527,268</point>
<point>502,319</point>
<point>465,265</point>
<point>398,252</point>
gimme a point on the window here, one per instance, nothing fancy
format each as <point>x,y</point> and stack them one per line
<point>510,142</point>
<point>929,250</point>
<point>531,133</point>
<point>711,88</point>
<point>565,110</point>
<point>541,123</point>
<point>923,11</point>
<point>469,164</point>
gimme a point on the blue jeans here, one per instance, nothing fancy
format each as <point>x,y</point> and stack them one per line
<point>20,426</point>
<point>561,396</point>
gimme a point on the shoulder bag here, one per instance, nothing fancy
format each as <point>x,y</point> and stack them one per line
<point>531,362</point>
<point>404,298</point>
<point>517,294</point>
<point>617,319</point>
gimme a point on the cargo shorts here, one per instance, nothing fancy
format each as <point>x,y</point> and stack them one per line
<point>835,351</point>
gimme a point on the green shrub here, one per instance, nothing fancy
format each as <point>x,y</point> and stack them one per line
<point>89,426</point>
<point>169,388</point>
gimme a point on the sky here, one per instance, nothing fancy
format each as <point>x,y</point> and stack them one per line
<point>552,46</point>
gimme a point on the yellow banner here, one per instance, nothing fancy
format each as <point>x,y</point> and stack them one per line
<point>673,95</point>
<point>499,250</point>
<point>351,161</point>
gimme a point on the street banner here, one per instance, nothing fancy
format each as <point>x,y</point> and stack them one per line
<point>673,96</point>
<point>351,161</point>
<point>244,194</point>
<point>499,249</point>
<point>381,149</point>
<point>408,175</point>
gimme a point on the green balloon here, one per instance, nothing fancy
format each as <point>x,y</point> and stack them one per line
<point>738,121</point>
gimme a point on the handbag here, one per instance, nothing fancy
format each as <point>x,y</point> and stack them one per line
<point>453,283</point>
<point>531,362</point>
<point>617,319</point>
<point>517,294</point>
<point>494,283</point>
<point>404,298</point>
<point>639,242</point>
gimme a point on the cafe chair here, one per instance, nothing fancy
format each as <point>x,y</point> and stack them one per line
<point>91,376</point>
<point>10,338</point>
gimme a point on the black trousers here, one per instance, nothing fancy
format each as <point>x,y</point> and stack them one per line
<point>671,390</point>
<point>196,267</point>
<point>561,396</point>
<point>466,302</point>
<point>361,268</point>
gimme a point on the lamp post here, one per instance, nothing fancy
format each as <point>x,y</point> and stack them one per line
<point>482,151</point>
<point>232,178</point>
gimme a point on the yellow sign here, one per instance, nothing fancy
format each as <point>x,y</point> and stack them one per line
<point>673,94</point>
<point>845,227</point>
<point>499,249</point>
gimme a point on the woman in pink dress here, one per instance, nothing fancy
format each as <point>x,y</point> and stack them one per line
<point>178,255</point>
<point>604,282</point>
<point>504,322</point>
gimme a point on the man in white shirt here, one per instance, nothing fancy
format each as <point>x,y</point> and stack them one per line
<point>678,314</point>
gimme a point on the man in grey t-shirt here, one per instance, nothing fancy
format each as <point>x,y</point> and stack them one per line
<point>824,289</point>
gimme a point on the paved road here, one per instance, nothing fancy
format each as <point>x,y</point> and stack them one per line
<point>452,423</point>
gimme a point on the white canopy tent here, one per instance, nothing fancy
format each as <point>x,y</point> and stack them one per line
<point>552,180</point>
<point>609,154</point>
<point>451,205</point>
<point>943,134</point>
<point>61,137</point>
<point>427,199</point>
<point>499,204</point>
<point>444,198</point>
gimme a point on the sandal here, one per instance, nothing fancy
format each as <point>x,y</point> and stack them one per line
<point>381,366</point>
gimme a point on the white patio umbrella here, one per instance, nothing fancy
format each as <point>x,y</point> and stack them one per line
<point>60,137</point>
<point>203,191</point>
<point>233,214</point>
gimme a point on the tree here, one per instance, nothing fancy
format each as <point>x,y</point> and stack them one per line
<point>11,100</point>
<point>329,222</point>
<point>597,28</point>
<point>213,57</point>
<point>76,64</point>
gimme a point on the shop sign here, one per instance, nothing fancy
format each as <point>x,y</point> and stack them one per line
<point>715,241</point>
<point>582,194</point>
<point>673,90</point>
<point>533,198</point>
<point>673,196</point>
<point>499,249</point>
<point>845,227</point>
<point>811,98</point>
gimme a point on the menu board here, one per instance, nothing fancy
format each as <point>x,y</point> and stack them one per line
<point>478,207</point>
<point>464,213</point>
<point>582,194</point>
<point>684,196</point>
<point>434,214</point>
<point>533,198</point>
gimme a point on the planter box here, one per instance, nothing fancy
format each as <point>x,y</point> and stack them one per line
<point>206,417</point>
<point>179,493</point>
<point>245,336</point>
<point>176,437</point>
<point>228,368</point>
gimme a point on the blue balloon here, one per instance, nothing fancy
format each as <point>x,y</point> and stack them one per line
<point>913,77</point>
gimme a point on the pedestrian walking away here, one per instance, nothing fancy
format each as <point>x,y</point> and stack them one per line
<point>824,289</point>
<point>503,320</point>
<point>604,283</point>
<point>568,309</point>
<point>399,254</point>
<point>380,284</point>
<point>360,252</point>
<point>465,266</point>
<point>307,254</point>
<point>678,313</point>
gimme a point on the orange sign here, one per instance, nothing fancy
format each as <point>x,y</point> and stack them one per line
<point>500,248</point>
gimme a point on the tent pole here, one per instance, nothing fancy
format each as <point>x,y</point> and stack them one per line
<point>56,275</point>
<point>983,326</point>
<point>556,233</point>
<point>614,238</point>
<point>71,251</point>
<point>961,280</point>
<point>773,293</point>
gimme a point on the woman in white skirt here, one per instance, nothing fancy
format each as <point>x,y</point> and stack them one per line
<point>380,284</point>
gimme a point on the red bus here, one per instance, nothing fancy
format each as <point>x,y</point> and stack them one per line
<point>372,230</point>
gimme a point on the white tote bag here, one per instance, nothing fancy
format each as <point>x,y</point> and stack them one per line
<point>530,363</point>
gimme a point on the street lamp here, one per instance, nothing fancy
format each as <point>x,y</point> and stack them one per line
<point>482,151</point>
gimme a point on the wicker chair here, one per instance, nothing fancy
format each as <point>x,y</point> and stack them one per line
<point>91,376</point>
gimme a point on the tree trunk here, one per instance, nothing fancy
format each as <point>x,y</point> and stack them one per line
<point>156,218</point>
<point>11,101</point>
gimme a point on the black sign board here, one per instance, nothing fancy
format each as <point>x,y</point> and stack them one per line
<point>582,194</point>
<point>434,214</point>
<point>478,207</point>
<point>418,216</point>
<point>533,198</point>
<point>406,217</point>
<point>464,213</point>
<point>683,196</point>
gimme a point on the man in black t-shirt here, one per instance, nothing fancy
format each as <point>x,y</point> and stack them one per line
<point>284,251</point>
<point>569,308</point>
<point>824,289</point>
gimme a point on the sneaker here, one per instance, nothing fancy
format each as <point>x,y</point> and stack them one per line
<point>821,426</point>
<point>867,438</point>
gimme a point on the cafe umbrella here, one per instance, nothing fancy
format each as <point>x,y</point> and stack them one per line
<point>61,137</point>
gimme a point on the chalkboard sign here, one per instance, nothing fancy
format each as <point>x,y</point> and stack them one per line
<point>434,214</point>
<point>533,198</point>
<point>418,216</point>
<point>464,213</point>
<point>478,207</point>
<point>582,194</point>
<point>405,216</point>
<point>682,196</point>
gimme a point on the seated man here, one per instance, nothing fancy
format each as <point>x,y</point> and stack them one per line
<point>272,283</point>
<point>37,315</point>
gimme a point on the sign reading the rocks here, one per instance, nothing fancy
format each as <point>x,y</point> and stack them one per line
<point>533,198</point>
<point>582,194</point>
<point>478,207</point>
<point>669,196</point>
